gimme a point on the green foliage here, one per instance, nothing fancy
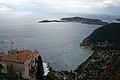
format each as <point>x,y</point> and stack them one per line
<point>11,75</point>
<point>40,70</point>
<point>110,32</point>
<point>51,76</point>
<point>105,37</point>
<point>1,76</point>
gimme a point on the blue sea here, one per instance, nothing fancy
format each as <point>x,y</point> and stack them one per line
<point>58,43</point>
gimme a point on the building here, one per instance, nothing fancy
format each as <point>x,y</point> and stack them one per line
<point>1,56</point>
<point>22,61</point>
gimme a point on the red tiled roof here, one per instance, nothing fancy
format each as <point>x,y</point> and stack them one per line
<point>20,56</point>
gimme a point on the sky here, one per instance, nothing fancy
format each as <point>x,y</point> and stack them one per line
<point>23,8</point>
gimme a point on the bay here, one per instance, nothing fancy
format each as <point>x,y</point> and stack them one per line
<point>58,43</point>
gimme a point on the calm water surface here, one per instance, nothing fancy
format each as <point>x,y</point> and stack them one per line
<point>58,43</point>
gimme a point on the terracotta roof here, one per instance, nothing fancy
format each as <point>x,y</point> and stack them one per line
<point>20,56</point>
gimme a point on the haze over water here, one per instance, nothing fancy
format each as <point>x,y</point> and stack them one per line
<point>58,43</point>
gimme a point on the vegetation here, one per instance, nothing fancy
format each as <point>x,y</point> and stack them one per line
<point>40,70</point>
<point>11,75</point>
<point>107,35</point>
<point>110,32</point>
<point>1,76</point>
<point>104,63</point>
<point>52,76</point>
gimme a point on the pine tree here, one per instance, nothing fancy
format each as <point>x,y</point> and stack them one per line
<point>40,70</point>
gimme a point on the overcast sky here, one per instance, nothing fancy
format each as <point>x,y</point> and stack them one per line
<point>23,8</point>
<point>59,6</point>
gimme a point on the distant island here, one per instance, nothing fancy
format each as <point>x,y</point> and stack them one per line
<point>78,20</point>
<point>45,21</point>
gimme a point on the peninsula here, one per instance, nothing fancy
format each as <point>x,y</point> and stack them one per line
<point>78,20</point>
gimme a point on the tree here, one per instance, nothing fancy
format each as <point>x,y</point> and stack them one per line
<point>1,76</point>
<point>11,75</point>
<point>40,70</point>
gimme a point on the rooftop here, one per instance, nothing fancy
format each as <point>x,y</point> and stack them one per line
<point>20,56</point>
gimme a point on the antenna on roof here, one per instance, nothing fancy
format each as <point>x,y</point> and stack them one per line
<point>8,42</point>
<point>11,44</point>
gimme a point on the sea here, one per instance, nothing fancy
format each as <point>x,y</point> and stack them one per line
<point>58,43</point>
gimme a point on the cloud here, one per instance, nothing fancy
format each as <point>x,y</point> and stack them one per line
<point>78,5</point>
<point>15,2</point>
<point>58,5</point>
<point>4,9</point>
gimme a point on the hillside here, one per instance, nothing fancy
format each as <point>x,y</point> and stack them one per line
<point>107,34</point>
<point>103,64</point>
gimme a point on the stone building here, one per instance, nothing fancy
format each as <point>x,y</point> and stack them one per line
<point>1,56</point>
<point>22,61</point>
